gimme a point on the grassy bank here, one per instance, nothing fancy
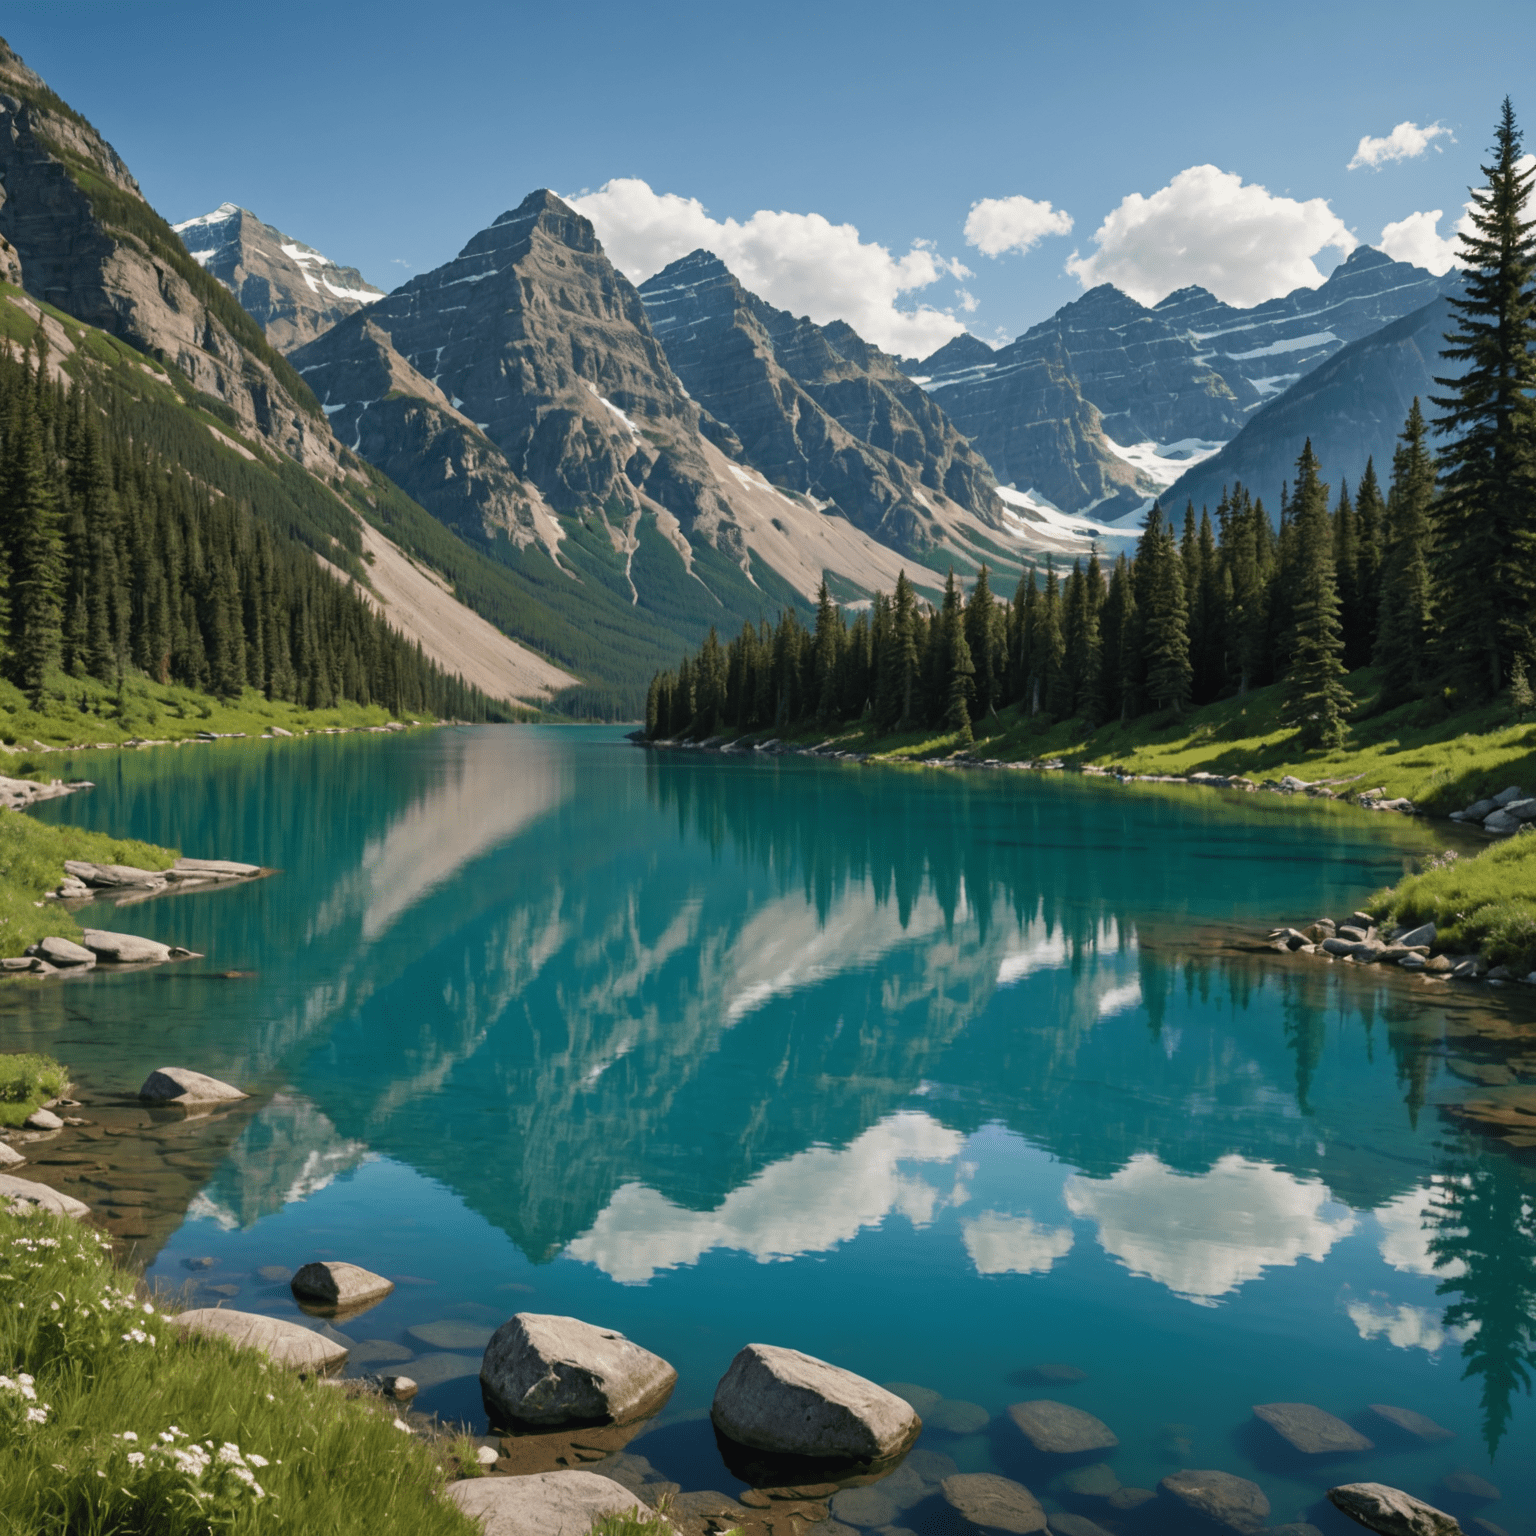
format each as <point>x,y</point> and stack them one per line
<point>128,1426</point>
<point>1440,760</point>
<point>32,856</point>
<point>26,1081</point>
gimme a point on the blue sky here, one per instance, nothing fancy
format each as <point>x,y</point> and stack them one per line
<point>387,133</point>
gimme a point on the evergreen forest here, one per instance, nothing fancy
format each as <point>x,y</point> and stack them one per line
<point>1432,580</point>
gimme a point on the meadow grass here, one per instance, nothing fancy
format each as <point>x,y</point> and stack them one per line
<point>32,855</point>
<point>27,1080</point>
<point>115,1423</point>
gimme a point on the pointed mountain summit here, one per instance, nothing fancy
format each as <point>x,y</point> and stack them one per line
<point>818,410</point>
<point>291,290</point>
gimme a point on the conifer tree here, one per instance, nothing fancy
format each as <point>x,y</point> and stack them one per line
<point>1487,514</point>
<point>1165,616</point>
<point>1116,637</point>
<point>904,653</point>
<point>1404,629</point>
<point>1047,647</point>
<point>985,638</point>
<point>825,652</point>
<point>1316,701</point>
<point>34,545</point>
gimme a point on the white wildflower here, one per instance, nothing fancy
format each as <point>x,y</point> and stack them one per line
<point>127,1434</point>
<point>255,1460</point>
<point>401,1424</point>
<point>136,1458</point>
<point>38,1415</point>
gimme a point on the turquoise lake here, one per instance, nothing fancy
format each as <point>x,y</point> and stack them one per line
<point>938,1076</point>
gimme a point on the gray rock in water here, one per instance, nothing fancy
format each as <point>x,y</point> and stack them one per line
<point>43,1120</point>
<point>1055,1373</point>
<point>1126,1499</point>
<point>1416,1424</point>
<point>1478,809</point>
<point>776,1399</point>
<point>931,1466</point>
<point>283,1343</point>
<point>1391,1511</point>
<point>1074,1525</point>
<point>334,1284</point>
<point>867,1508</point>
<point>544,1369</point>
<point>434,1369</point>
<point>180,1085</point>
<point>1097,1481</point>
<point>922,1398</point>
<point>1059,1430</point>
<point>1311,1430</point>
<point>113,876</point>
<point>274,1274</point>
<point>994,1503</point>
<point>125,948</point>
<point>64,953</point>
<point>543,1503</point>
<point>452,1333</point>
<point>1502,822</point>
<point>1469,1485</point>
<point>22,1196</point>
<point>400,1387</point>
<point>1229,1501</point>
<point>1521,810</point>
<point>957,1418</point>
<point>9,1156</point>
<point>379,1352</point>
<point>1509,796</point>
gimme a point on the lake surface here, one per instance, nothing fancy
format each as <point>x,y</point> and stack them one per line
<point>937,1076</point>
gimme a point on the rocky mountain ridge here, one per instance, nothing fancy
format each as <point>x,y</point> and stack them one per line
<point>291,290</point>
<point>1163,386</point>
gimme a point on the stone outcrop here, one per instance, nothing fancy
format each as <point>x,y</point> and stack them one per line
<point>20,1196</point>
<point>283,1343</point>
<point>543,1504</point>
<point>1311,1430</point>
<point>330,1283</point>
<point>783,1401</point>
<point>994,1503</point>
<point>817,409</point>
<point>1060,1430</point>
<point>9,1156</point>
<point>1391,1511</point>
<point>181,1085</point>
<point>62,953</point>
<point>1230,1502</point>
<point>288,288</point>
<point>125,948</point>
<point>547,1370</point>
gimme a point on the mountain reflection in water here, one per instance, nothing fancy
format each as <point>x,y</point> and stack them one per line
<point>636,1010</point>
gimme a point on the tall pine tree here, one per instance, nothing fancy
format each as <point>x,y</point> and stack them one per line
<point>1316,701</point>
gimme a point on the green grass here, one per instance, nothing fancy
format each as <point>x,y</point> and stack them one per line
<point>122,1382</point>
<point>632,1524</point>
<point>32,855</point>
<point>1485,904</point>
<point>1440,760</point>
<point>27,1080</point>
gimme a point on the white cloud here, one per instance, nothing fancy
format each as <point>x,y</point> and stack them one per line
<point>1417,239</point>
<point>801,262</point>
<point>1013,1245</point>
<point>1207,1234</point>
<point>1206,227</point>
<point>808,1203</point>
<point>1406,142</point>
<point>1407,1225</point>
<point>998,224</point>
<point>1404,1326</point>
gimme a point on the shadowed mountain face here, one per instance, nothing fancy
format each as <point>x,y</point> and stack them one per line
<point>1352,407</point>
<point>291,290</point>
<point>1161,385</point>
<point>819,411</point>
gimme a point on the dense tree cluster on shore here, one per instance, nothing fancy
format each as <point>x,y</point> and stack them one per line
<point>1434,582</point>
<point>113,556</point>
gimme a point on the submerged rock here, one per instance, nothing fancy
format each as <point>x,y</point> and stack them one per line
<point>21,1196</point>
<point>1058,1430</point>
<point>923,1399</point>
<point>1415,1424</point>
<point>994,1503</point>
<point>1230,1501</point>
<point>1311,1430</point>
<point>452,1333</point>
<point>283,1343</point>
<point>1097,1481</point>
<point>380,1352</point>
<point>343,1286</point>
<point>1469,1485</point>
<point>541,1503</point>
<point>957,1418</point>
<point>1074,1525</point>
<point>1391,1511</point>
<point>181,1085</point>
<point>868,1508</point>
<point>776,1399</point>
<point>544,1369</point>
<point>43,1120</point>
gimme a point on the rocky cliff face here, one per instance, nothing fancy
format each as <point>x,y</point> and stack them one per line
<point>818,410</point>
<point>1352,407</point>
<point>1163,386</point>
<point>291,290</point>
<point>88,243</point>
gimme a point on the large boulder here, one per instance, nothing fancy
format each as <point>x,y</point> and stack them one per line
<point>542,1504</point>
<point>1311,1430</point>
<point>1391,1511</point>
<point>1422,937</point>
<point>125,948</point>
<point>1058,1430</point>
<point>180,1085</point>
<point>9,1156</point>
<point>63,952</point>
<point>281,1342</point>
<point>114,876</point>
<point>1228,1501</point>
<point>994,1503</point>
<point>23,1196</point>
<point>780,1400</point>
<point>342,1286</point>
<point>543,1369</point>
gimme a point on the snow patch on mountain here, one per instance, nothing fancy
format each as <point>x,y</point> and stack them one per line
<point>1163,463</point>
<point>1034,520</point>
